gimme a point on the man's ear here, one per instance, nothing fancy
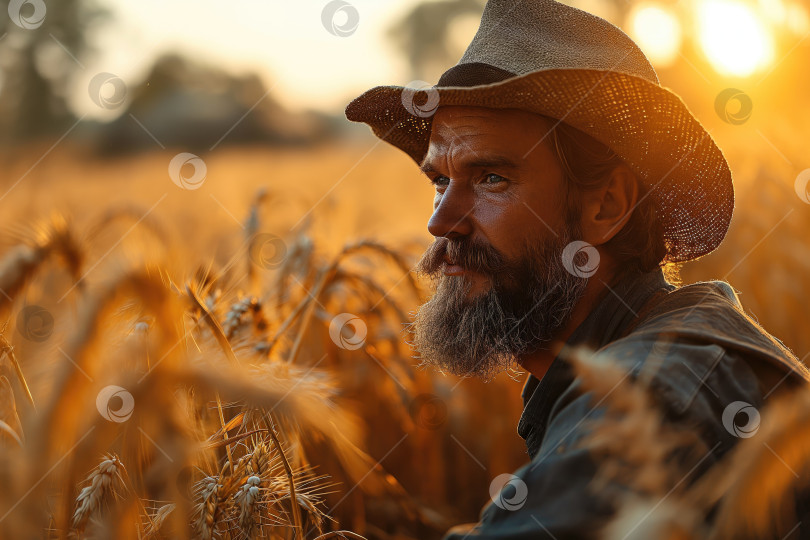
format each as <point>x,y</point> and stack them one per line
<point>606,210</point>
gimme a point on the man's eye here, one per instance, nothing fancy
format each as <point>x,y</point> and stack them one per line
<point>493,178</point>
<point>440,181</point>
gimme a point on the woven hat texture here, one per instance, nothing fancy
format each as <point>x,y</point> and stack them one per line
<point>555,60</point>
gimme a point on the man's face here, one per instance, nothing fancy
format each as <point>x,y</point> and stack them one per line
<point>500,222</point>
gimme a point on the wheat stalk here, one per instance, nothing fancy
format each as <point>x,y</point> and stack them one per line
<point>157,519</point>
<point>8,350</point>
<point>9,420</point>
<point>216,329</point>
<point>215,498</point>
<point>248,499</point>
<point>755,482</point>
<point>102,484</point>
<point>208,507</point>
<point>21,263</point>
<point>340,534</point>
<point>290,477</point>
<point>634,447</point>
<point>233,319</point>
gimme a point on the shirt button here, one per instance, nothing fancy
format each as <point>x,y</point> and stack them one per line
<point>560,449</point>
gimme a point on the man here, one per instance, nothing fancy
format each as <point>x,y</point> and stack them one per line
<point>566,178</point>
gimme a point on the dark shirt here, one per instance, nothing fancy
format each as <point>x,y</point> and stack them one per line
<point>713,355</point>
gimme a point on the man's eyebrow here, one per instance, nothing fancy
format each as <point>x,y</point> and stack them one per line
<point>477,162</point>
<point>426,167</point>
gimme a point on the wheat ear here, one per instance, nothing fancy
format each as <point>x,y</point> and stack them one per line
<point>103,481</point>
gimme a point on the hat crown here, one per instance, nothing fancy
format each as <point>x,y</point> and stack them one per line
<point>522,36</point>
<point>557,61</point>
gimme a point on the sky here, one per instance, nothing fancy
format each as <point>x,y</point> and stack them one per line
<point>286,43</point>
<point>303,62</point>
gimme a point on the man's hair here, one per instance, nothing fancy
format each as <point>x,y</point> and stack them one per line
<point>586,164</point>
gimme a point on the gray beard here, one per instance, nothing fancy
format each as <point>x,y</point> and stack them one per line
<point>525,305</point>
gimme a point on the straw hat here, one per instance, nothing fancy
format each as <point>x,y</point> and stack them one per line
<point>555,60</point>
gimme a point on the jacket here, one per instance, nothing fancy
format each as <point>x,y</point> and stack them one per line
<point>713,356</point>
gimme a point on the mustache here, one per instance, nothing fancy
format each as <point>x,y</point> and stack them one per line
<point>475,255</point>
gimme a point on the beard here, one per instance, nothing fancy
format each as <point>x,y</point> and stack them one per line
<point>527,302</point>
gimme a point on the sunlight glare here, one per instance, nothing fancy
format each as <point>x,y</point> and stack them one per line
<point>657,31</point>
<point>733,38</point>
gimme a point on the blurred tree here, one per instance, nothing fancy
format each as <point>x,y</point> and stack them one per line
<point>423,35</point>
<point>41,48</point>
<point>187,103</point>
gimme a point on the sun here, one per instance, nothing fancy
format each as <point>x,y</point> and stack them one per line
<point>733,37</point>
<point>657,31</point>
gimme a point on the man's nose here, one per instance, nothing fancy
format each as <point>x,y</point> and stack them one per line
<point>451,213</point>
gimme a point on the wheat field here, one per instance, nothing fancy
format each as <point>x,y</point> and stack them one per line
<point>232,361</point>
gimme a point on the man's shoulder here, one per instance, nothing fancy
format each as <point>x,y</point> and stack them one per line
<point>697,340</point>
<point>704,317</point>
<point>674,366</point>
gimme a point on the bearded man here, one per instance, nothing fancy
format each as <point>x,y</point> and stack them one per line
<point>566,180</point>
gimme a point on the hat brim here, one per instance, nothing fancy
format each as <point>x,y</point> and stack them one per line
<point>647,125</point>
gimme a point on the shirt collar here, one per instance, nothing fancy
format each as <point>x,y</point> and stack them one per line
<point>618,307</point>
